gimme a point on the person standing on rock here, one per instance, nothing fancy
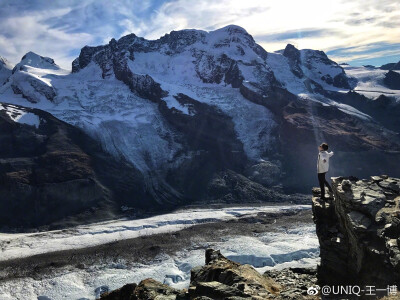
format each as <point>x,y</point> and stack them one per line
<point>323,167</point>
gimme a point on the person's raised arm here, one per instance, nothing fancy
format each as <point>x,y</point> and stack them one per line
<point>330,153</point>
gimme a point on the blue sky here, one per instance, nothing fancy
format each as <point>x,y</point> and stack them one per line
<point>358,32</point>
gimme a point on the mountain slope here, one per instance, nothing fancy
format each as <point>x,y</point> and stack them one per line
<point>53,173</point>
<point>5,70</point>
<point>202,114</point>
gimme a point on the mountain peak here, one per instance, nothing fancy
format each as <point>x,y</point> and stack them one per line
<point>4,63</point>
<point>292,53</point>
<point>289,49</point>
<point>37,61</point>
<point>234,29</point>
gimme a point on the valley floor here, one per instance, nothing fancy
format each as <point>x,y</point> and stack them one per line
<point>79,263</point>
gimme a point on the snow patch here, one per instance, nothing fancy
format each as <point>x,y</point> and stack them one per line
<point>21,116</point>
<point>370,82</point>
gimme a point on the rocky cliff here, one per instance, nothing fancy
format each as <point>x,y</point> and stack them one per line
<point>359,232</point>
<point>52,173</point>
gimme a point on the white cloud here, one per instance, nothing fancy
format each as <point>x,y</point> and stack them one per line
<point>344,28</point>
<point>61,29</point>
<point>20,34</point>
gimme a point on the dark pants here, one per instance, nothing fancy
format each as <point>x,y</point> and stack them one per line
<point>322,183</point>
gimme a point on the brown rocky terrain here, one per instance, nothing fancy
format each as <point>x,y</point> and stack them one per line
<point>359,233</point>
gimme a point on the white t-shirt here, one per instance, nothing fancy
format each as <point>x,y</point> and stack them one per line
<point>323,161</point>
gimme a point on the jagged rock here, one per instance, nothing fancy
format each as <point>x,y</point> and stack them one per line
<point>5,70</point>
<point>293,54</point>
<point>147,289</point>
<point>223,279</point>
<point>217,290</point>
<point>294,281</point>
<point>150,289</point>
<point>303,64</point>
<point>124,293</point>
<point>31,88</point>
<point>359,232</point>
<point>219,279</point>
<point>341,81</point>
<point>244,280</point>
<point>274,98</point>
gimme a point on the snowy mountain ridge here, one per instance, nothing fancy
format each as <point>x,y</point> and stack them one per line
<point>192,105</point>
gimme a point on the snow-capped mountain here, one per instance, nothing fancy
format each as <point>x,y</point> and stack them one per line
<point>5,70</point>
<point>212,115</point>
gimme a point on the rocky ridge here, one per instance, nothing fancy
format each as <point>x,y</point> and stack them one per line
<point>359,232</point>
<point>212,116</point>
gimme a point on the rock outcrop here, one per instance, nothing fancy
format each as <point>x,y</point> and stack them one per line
<point>5,70</point>
<point>52,173</point>
<point>223,279</point>
<point>359,232</point>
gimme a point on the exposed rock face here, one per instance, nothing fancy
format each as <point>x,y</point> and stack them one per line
<point>293,54</point>
<point>5,70</point>
<point>34,88</point>
<point>392,80</point>
<point>383,109</point>
<point>304,63</point>
<point>223,279</point>
<point>148,289</point>
<point>53,173</point>
<point>359,232</point>
<point>355,142</point>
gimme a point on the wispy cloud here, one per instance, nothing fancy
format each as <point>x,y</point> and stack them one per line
<point>296,34</point>
<point>348,30</point>
<point>363,54</point>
